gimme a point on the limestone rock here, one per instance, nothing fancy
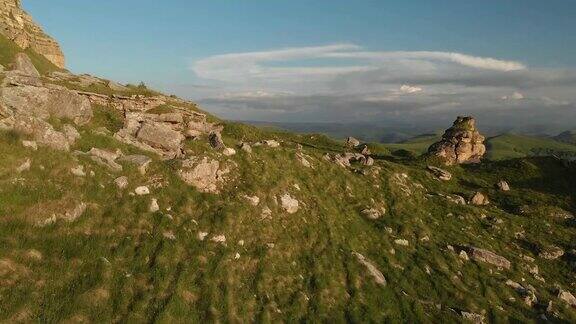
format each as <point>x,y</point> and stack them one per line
<point>24,166</point>
<point>551,252</point>
<point>503,186</point>
<point>253,200</point>
<point>489,257</point>
<point>245,147</point>
<point>142,191</point>
<point>42,102</point>
<point>154,207</point>
<point>78,171</point>
<point>271,143</point>
<point>462,143</point>
<point>479,199</point>
<point>351,142</point>
<point>24,65</point>
<point>289,204</point>
<point>215,139</point>
<point>303,159</point>
<point>206,175</point>
<point>140,161</point>
<point>229,151</point>
<point>30,144</point>
<point>160,136</point>
<point>121,182</point>
<point>567,297</point>
<point>372,270</point>
<point>106,158</point>
<point>373,213</point>
<point>18,26</point>
<point>42,132</point>
<point>440,173</point>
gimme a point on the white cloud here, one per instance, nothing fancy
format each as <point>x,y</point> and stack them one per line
<point>514,96</point>
<point>343,82</point>
<point>409,89</point>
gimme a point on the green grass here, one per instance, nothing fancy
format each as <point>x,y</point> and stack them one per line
<point>309,274</point>
<point>510,146</point>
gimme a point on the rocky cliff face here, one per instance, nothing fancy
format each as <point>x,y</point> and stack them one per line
<point>461,143</point>
<point>18,26</point>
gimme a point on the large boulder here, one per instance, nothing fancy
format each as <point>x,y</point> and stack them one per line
<point>24,65</point>
<point>45,102</point>
<point>461,143</point>
<point>42,132</point>
<point>160,136</point>
<point>206,175</point>
<point>482,255</point>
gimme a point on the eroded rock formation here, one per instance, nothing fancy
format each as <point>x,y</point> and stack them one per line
<point>18,26</point>
<point>461,143</point>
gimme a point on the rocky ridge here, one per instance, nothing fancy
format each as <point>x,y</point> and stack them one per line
<point>18,26</point>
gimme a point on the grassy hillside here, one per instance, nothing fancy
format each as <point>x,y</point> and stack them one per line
<point>218,258</point>
<point>567,137</point>
<point>121,263</point>
<point>511,146</point>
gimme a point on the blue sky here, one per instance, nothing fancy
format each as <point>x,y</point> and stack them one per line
<point>162,43</point>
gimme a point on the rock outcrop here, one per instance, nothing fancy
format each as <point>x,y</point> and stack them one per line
<point>461,143</point>
<point>18,26</point>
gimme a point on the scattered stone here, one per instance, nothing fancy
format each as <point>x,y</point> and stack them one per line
<point>71,133</point>
<point>271,143</point>
<point>202,236</point>
<point>160,136</point>
<point>25,166</point>
<point>75,213</point>
<point>473,317</point>
<point>440,173</point>
<point>462,143</point>
<point>479,199</point>
<point>289,204</point>
<point>302,158</point>
<point>374,213</point>
<point>253,200</point>
<point>34,255</point>
<point>122,182</point>
<point>266,212</point>
<point>78,171</point>
<point>369,161</point>
<point>142,191</point>
<point>245,147</point>
<point>489,257</point>
<point>401,242</point>
<point>351,142</point>
<point>206,175</point>
<point>215,139</point>
<point>551,252</point>
<point>154,207</point>
<point>219,239</point>
<point>237,256</point>
<point>30,144</point>
<point>372,270</point>
<point>42,132</point>
<point>567,297</point>
<point>229,151</point>
<point>503,186</point>
<point>169,235</point>
<point>140,161</point>
<point>463,255</point>
<point>106,158</point>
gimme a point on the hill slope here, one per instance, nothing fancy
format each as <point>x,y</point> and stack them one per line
<point>120,204</point>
